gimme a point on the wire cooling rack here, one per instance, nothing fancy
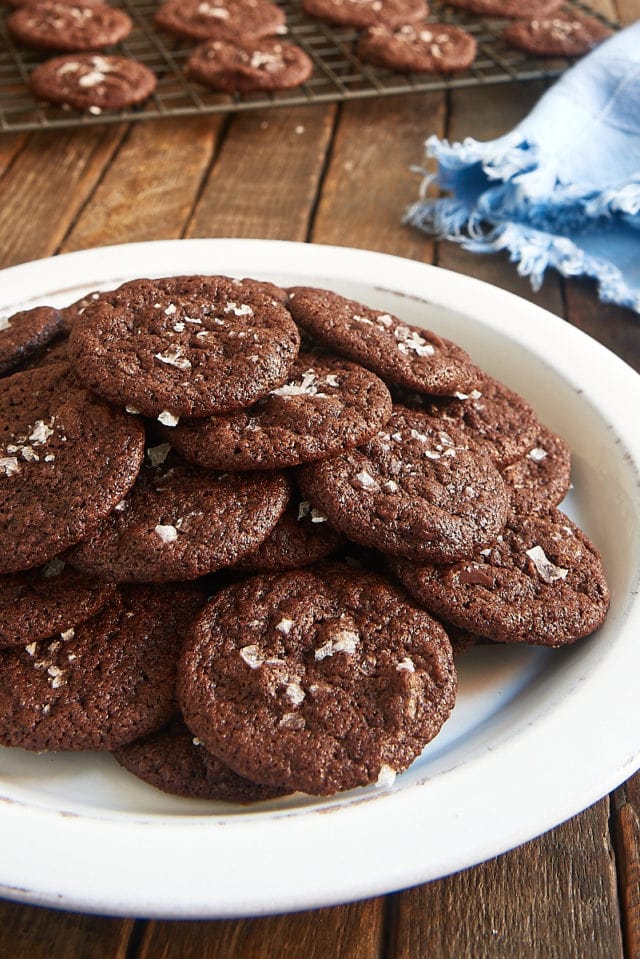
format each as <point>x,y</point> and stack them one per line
<point>338,74</point>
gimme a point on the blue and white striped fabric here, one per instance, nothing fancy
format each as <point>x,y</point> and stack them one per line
<point>563,188</point>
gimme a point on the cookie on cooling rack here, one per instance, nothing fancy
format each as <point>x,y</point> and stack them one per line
<point>507,8</point>
<point>366,13</point>
<point>94,82</point>
<point>427,47</point>
<point>220,19</point>
<point>51,25</point>
<point>243,65</point>
<point>562,35</point>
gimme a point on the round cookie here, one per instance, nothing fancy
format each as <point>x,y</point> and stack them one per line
<point>301,536</point>
<point>327,405</point>
<point>220,19</point>
<point>104,683</point>
<point>50,25</point>
<point>419,47</point>
<point>541,478</point>
<point>542,582</point>
<point>316,680</point>
<point>47,600</point>
<point>415,491</point>
<point>66,459</point>
<point>507,8</point>
<point>402,354</point>
<point>27,333</point>
<point>175,761</point>
<point>560,35</point>
<point>493,416</point>
<point>180,522</point>
<point>366,13</point>
<point>184,346</point>
<point>94,82</point>
<point>240,66</point>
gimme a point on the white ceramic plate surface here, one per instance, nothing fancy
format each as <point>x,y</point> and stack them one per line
<point>536,735</point>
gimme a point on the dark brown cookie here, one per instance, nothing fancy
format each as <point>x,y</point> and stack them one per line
<point>542,582</point>
<point>47,600</point>
<point>402,354</point>
<point>220,19</point>
<point>316,680</point>
<point>184,346</point>
<point>365,13</point>
<point>494,416</point>
<point>419,47</point>
<point>541,478</point>
<point>27,333</point>
<point>49,25</point>
<point>243,65</point>
<point>301,536</point>
<point>94,82</point>
<point>66,459</point>
<point>507,8</point>
<point>175,761</point>
<point>104,683</point>
<point>561,35</point>
<point>180,522</point>
<point>415,491</point>
<point>328,405</point>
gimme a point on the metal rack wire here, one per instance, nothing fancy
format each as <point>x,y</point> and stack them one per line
<point>338,74</point>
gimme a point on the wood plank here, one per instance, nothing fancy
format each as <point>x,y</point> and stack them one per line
<point>28,932</point>
<point>10,146</point>
<point>266,177</point>
<point>344,932</point>
<point>553,898</point>
<point>614,326</point>
<point>627,841</point>
<point>369,182</point>
<point>628,10</point>
<point>151,186</point>
<point>43,192</point>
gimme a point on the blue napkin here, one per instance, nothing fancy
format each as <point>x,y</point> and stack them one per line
<point>563,188</point>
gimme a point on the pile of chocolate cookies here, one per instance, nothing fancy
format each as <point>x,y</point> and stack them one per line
<point>244,529</point>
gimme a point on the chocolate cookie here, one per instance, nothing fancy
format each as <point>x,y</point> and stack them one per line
<point>494,416</point>
<point>561,35</point>
<point>175,761</point>
<point>240,66</point>
<point>402,354</point>
<point>365,13</point>
<point>301,536</point>
<point>328,405</point>
<point>66,459</point>
<point>420,47</point>
<point>541,478</point>
<point>184,346</point>
<point>415,491</point>
<point>50,25</point>
<point>104,683</point>
<point>26,333</point>
<point>220,19</point>
<point>507,8</point>
<point>92,81</point>
<point>180,522</point>
<point>542,582</point>
<point>50,599</point>
<point>316,680</point>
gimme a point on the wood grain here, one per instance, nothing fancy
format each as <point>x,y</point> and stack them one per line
<point>627,835</point>
<point>370,182</point>
<point>27,932</point>
<point>553,898</point>
<point>10,146</point>
<point>345,932</point>
<point>46,186</point>
<point>265,180</point>
<point>151,187</point>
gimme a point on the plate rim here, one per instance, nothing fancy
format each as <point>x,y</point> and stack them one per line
<point>355,872</point>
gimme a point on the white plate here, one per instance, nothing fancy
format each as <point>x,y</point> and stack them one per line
<point>536,736</point>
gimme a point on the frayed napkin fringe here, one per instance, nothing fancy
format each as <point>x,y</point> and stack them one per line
<point>532,250</point>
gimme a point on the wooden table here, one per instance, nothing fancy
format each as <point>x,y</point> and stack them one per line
<point>338,175</point>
